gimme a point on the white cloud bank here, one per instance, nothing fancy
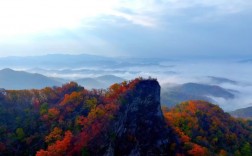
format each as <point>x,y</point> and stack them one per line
<point>33,16</point>
<point>22,22</point>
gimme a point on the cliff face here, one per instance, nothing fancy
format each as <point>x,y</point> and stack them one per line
<point>139,127</point>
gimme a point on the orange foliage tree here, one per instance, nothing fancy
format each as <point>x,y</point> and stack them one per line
<point>59,148</point>
<point>54,135</point>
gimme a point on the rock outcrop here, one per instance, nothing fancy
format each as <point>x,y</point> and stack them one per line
<point>139,127</point>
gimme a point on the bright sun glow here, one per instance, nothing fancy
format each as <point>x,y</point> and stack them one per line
<point>35,16</point>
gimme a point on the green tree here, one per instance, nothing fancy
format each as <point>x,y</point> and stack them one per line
<point>43,108</point>
<point>237,153</point>
<point>20,133</point>
<point>91,103</point>
<point>246,150</point>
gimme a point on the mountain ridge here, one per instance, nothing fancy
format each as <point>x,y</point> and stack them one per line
<point>125,119</point>
<point>174,94</point>
<point>10,79</point>
<point>242,113</point>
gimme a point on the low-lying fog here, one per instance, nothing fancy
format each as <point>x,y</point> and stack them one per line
<point>229,74</point>
<point>238,77</point>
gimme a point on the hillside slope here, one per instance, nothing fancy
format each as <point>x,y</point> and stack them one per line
<point>242,113</point>
<point>175,94</point>
<point>125,119</point>
<point>10,79</point>
<point>206,128</point>
<point>70,120</point>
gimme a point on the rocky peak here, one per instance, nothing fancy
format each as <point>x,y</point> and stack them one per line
<point>139,127</point>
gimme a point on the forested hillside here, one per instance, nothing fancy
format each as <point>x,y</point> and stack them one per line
<point>125,119</point>
<point>205,128</point>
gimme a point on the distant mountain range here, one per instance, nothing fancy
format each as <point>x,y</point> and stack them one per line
<point>99,82</point>
<point>171,94</point>
<point>221,80</point>
<point>55,60</point>
<point>242,113</point>
<point>174,94</point>
<point>61,61</point>
<point>11,79</point>
<point>245,61</point>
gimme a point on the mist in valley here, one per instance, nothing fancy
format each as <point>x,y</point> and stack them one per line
<point>232,75</point>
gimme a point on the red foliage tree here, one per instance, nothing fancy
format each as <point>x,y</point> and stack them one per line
<point>2,147</point>
<point>53,113</point>
<point>60,148</point>
<point>198,150</point>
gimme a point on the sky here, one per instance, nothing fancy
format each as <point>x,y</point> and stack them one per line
<point>149,28</point>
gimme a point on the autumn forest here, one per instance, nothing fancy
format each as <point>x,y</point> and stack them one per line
<point>71,120</point>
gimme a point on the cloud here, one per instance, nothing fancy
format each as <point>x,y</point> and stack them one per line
<point>32,16</point>
<point>126,26</point>
<point>136,19</point>
<point>157,9</point>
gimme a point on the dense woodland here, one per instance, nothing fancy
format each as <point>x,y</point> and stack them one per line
<point>55,121</point>
<point>205,129</point>
<point>66,120</point>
